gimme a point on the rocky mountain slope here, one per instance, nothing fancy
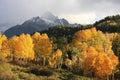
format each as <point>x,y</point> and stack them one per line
<point>38,24</point>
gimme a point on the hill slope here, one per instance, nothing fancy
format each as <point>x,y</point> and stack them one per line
<point>109,24</point>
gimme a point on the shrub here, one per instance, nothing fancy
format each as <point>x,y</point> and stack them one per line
<point>5,75</point>
<point>41,72</point>
<point>26,76</point>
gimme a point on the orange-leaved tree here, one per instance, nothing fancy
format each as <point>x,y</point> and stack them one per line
<point>99,64</point>
<point>42,46</point>
<point>56,59</point>
<point>22,46</point>
<point>4,47</point>
<point>36,40</point>
<point>96,44</point>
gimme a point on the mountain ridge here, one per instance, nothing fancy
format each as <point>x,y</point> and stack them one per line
<point>38,24</point>
<point>109,24</point>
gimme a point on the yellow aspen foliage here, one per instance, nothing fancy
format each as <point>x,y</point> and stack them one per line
<point>4,46</point>
<point>103,65</point>
<point>5,49</point>
<point>91,37</point>
<point>89,60</point>
<point>58,53</point>
<point>22,46</point>
<point>99,63</point>
<point>45,46</point>
<point>12,42</point>
<point>81,46</point>
<point>101,36</point>
<point>115,60</point>
<point>83,36</point>
<point>111,36</point>
<point>94,51</point>
<point>29,47</point>
<point>2,38</point>
<point>99,48</point>
<point>36,36</point>
<point>56,59</point>
<point>52,61</point>
<point>36,40</point>
<point>91,50</point>
<point>68,63</point>
<point>42,44</point>
<point>94,32</point>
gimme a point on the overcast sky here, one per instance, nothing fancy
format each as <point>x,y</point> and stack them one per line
<point>80,11</point>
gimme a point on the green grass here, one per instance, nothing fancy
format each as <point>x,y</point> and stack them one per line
<point>10,71</point>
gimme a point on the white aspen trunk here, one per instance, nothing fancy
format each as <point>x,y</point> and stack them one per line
<point>44,59</point>
<point>107,77</point>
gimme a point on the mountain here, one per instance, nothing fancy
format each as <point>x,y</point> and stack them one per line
<point>34,24</point>
<point>109,24</point>
<point>5,26</point>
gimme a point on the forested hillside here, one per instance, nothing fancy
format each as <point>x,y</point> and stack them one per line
<point>63,53</point>
<point>85,52</point>
<point>60,40</point>
<point>109,24</point>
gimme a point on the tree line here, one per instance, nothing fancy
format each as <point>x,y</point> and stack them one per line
<point>90,51</point>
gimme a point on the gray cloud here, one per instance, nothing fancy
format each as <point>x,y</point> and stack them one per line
<point>90,10</point>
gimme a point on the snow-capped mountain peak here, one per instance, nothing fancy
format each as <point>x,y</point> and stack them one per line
<point>49,16</point>
<point>37,24</point>
<point>36,19</point>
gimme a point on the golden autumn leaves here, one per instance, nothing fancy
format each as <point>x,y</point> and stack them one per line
<point>91,51</point>
<point>42,46</point>
<point>4,47</point>
<point>38,46</point>
<point>56,59</point>
<point>25,46</point>
<point>22,46</point>
<point>94,47</point>
<point>99,63</point>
